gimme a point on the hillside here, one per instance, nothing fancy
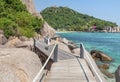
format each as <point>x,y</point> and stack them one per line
<point>15,20</point>
<point>64,18</point>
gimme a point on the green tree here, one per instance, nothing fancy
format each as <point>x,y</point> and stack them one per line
<point>68,19</point>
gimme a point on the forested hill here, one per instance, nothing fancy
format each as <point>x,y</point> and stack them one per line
<point>15,20</point>
<point>68,19</point>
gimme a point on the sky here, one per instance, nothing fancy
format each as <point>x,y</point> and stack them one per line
<point>108,10</point>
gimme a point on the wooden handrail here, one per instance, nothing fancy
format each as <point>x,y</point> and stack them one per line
<point>41,70</point>
<point>98,75</point>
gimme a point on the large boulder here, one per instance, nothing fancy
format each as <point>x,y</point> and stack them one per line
<point>47,30</point>
<point>25,44</point>
<point>96,54</point>
<point>72,46</point>
<point>18,65</point>
<point>61,46</point>
<point>76,51</point>
<point>3,39</point>
<point>1,32</point>
<point>13,41</point>
<point>30,6</point>
<point>64,40</point>
<point>23,38</point>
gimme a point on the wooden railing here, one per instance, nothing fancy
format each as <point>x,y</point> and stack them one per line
<point>54,51</point>
<point>96,72</point>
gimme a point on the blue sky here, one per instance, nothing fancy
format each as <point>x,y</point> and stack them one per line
<point>104,9</point>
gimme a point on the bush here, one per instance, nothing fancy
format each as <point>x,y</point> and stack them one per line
<point>26,32</point>
<point>16,20</point>
<point>9,27</point>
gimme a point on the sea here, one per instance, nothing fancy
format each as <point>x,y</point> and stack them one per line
<point>108,43</point>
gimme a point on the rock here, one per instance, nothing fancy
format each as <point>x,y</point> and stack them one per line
<point>65,41</point>
<point>104,66</point>
<point>18,65</point>
<point>1,32</point>
<point>72,46</point>
<point>11,38</point>
<point>47,30</point>
<point>108,74</point>
<point>61,45</point>
<point>76,51</point>
<point>30,6</point>
<point>25,44</point>
<point>3,39</point>
<point>23,38</point>
<point>13,42</point>
<point>3,46</point>
<point>100,55</point>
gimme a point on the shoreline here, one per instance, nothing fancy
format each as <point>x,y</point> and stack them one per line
<point>64,31</point>
<point>84,31</point>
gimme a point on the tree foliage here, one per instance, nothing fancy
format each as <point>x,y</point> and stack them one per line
<point>15,20</point>
<point>68,19</point>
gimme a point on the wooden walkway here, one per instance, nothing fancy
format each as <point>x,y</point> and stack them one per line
<point>46,49</point>
<point>66,67</point>
<point>70,70</point>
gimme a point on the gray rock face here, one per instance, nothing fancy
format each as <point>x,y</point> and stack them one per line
<point>47,30</point>
<point>76,51</point>
<point>30,6</point>
<point>18,65</point>
<point>13,42</point>
<point>3,39</point>
<point>1,32</point>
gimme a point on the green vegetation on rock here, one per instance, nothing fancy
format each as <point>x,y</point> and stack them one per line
<point>64,18</point>
<point>15,20</point>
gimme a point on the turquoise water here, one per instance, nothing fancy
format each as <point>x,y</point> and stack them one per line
<point>109,43</point>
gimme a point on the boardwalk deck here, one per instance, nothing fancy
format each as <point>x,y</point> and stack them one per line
<point>46,49</point>
<point>71,70</point>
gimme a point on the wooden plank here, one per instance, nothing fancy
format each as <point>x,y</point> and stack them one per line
<point>70,71</point>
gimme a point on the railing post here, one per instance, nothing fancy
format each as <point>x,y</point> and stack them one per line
<point>55,57</point>
<point>47,40</point>
<point>81,50</point>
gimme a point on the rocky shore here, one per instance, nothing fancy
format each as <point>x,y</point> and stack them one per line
<point>106,29</point>
<point>102,60</point>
